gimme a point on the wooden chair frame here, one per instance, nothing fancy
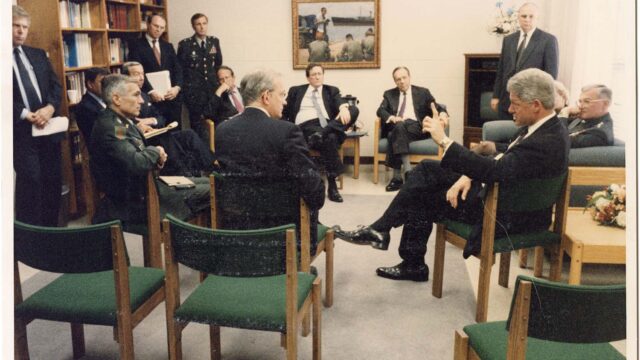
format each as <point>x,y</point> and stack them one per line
<point>379,157</point>
<point>487,257</point>
<point>126,319</point>
<point>325,245</point>
<point>294,317</point>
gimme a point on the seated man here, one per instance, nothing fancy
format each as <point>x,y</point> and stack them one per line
<point>319,50</point>
<point>351,50</point>
<point>121,159</point>
<point>91,105</point>
<point>590,123</point>
<point>323,116</point>
<point>253,144</point>
<point>451,189</point>
<point>401,112</point>
<point>226,101</point>
<point>187,154</point>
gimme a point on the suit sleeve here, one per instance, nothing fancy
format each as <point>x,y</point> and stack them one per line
<point>176,69</point>
<point>182,58</point>
<point>218,57</point>
<point>303,169</point>
<point>385,110</point>
<point>498,88</point>
<point>287,112</point>
<point>54,90</point>
<point>551,57</point>
<point>212,109</point>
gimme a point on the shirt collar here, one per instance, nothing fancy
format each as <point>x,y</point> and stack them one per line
<point>537,125</point>
<point>150,39</point>
<point>528,33</point>
<point>97,98</point>
<point>259,108</point>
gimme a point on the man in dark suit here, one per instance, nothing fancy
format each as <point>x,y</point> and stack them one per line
<point>450,190</point>
<point>187,154</point>
<point>401,112</point>
<point>36,160</point>
<point>528,48</point>
<point>200,57</point>
<point>121,159</point>
<point>323,116</point>
<point>255,143</point>
<point>590,123</point>
<point>226,101</point>
<point>155,54</point>
<point>89,108</point>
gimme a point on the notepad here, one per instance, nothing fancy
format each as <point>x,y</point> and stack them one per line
<point>54,125</point>
<point>160,81</point>
<point>163,130</point>
<point>177,182</point>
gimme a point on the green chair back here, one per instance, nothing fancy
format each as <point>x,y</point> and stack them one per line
<point>64,250</point>
<point>530,195</point>
<point>239,253</point>
<point>575,313</point>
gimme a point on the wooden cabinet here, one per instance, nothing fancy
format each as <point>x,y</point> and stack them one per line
<point>480,76</point>
<point>78,35</point>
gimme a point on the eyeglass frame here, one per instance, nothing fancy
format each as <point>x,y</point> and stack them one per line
<point>589,101</point>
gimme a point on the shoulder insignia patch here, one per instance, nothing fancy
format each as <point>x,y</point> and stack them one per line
<point>121,132</point>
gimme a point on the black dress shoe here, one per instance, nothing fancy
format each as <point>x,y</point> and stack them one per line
<point>404,272</point>
<point>315,140</point>
<point>394,185</point>
<point>334,195</point>
<point>365,235</point>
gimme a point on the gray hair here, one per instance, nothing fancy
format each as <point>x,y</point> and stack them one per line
<point>18,12</point>
<point>127,65</point>
<point>255,83</point>
<point>603,91</point>
<point>114,84</point>
<point>533,84</point>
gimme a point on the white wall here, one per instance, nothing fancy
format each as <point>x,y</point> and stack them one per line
<point>430,37</point>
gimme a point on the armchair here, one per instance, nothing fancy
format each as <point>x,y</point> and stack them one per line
<point>550,321</point>
<point>96,286</point>
<point>253,284</point>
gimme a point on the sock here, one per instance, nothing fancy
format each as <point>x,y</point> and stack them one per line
<point>397,174</point>
<point>406,162</point>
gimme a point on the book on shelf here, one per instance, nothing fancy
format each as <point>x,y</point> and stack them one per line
<point>118,50</point>
<point>75,83</point>
<point>77,50</point>
<point>117,17</point>
<point>74,14</point>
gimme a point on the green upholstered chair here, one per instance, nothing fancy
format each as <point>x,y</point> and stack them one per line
<point>96,286</point>
<point>253,283</point>
<point>241,202</point>
<point>523,196</point>
<point>551,321</point>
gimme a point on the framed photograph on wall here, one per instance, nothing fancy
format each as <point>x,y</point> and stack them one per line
<point>336,33</point>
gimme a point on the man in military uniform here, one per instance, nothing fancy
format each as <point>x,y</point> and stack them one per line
<point>200,57</point>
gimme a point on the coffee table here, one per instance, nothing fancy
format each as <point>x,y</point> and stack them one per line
<point>587,242</point>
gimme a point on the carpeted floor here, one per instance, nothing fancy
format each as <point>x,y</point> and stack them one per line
<point>372,318</point>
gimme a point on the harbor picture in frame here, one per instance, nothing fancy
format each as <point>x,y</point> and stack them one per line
<point>336,33</point>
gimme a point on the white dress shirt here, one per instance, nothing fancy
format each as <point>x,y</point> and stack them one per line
<point>307,110</point>
<point>32,76</point>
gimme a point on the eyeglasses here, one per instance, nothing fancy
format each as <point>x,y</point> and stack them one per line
<point>589,101</point>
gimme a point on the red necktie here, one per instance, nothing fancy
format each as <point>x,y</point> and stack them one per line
<point>156,51</point>
<point>236,101</point>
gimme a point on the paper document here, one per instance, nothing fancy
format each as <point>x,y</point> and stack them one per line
<point>163,130</point>
<point>177,181</point>
<point>160,81</point>
<point>55,125</point>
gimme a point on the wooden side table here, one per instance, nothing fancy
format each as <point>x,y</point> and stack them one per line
<point>587,242</point>
<point>353,142</point>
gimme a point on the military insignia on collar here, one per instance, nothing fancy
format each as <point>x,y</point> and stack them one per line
<point>121,132</point>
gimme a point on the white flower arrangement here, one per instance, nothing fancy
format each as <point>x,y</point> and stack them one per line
<point>608,207</point>
<point>505,22</point>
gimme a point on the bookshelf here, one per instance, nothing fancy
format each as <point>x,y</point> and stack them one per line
<point>78,35</point>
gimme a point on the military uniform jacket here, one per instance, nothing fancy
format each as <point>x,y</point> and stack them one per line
<point>199,68</point>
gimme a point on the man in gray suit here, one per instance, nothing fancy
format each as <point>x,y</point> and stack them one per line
<point>528,48</point>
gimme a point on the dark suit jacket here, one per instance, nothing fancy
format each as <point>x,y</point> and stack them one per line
<point>422,100</point>
<point>140,51</point>
<point>541,53</point>
<point>331,99</point>
<point>120,160</point>
<point>253,143</point>
<point>544,154</point>
<point>219,108</point>
<point>594,132</point>
<point>50,92</point>
<point>199,69</point>
<point>87,112</point>
<point>147,110</point>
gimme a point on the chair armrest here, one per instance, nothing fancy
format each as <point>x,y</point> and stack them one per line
<point>211,128</point>
<point>498,130</point>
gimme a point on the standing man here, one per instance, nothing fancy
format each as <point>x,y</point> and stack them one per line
<point>36,160</point>
<point>200,57</point>
<point>528,48</point>
<point>402,110</point>
<point>323,116</point>
<point>156,54</point>
<point>91,105</point>
<point>450,190</point>
<point>322,21</point>
<point>121,159</point>
<point>226,102</point>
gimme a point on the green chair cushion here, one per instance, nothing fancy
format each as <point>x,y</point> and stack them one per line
<point>510,243</point>
<point>89,298</point>
<point>489,340</point>
<point>420,147</point>
<point>322,232</point>
<point>249,303</point>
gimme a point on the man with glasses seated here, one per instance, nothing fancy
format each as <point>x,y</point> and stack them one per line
<point>589,123</point>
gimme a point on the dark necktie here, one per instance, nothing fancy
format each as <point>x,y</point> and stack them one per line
<point>32,95</point>
<point>521,134</point>
<point>404,104</point>
<point>203,45</point>
<point>520,48</point>
<point>156,51</point>
<point>316,105</point>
